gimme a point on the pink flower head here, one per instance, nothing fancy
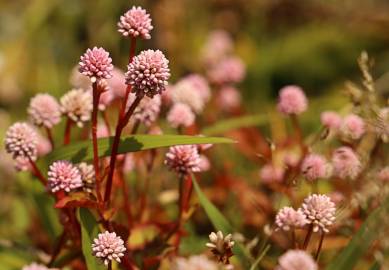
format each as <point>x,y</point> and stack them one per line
<point>196,262</point>
<point>183,159</point>
<point>229,70</point>
<point>22,164</point>
<point>270,174</point>
<point>96,64</point>
<point>117,83</point>
<point>292,100</point>
<point>185,92</point>
<point>35,266</point>
<point>296,260</point>
<point>346,163</point>
<point>314,167</point>
<point>200,84</point>
<point>21,141</point>
<point>180,115</point>
<point>63,175</point>
<point>204,164</point>
<point>287,218</point>
<point>87,172</point>
<point>218,45</point>
<point>148,73</point>
<point>383,174</point>
<point>320,211</point>
<point>353,127</point>
<point>229,98</point>
<point>44,110</point>
<point>108,247</point>
<point>136,22</point>
<point>148,110</point>
<point>43,146</point>
<point>331,120</point>
<point>77,104</point>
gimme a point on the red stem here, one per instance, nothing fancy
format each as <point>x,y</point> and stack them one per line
<point>37,172</point>
<point>96,97</point>
<point>308,237</point>
<point>50,137</point>
<point>320,246</point>
<point>68,127</point>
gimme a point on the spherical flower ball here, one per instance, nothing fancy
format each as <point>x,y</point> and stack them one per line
<point>63,175</point>
<point>217,46</point>
<point>292,100</point>
<point>21,141</point>
<point>383,174</point>
<point>287,218</point>
<point>229,70</point>
<point>296,260</point>
<point>185,92</point>
<point>96,64</point>
<point>196,262</point>
<point>87,172</point>
<point>180,115</point>
<point>44,110</point>
<point>271,174</point>
<point>136,22</point>
<point>108,247</point>
<point>200,84</point>
<point>77,104</point>
<point>229,98</point>
<point>331,120</point>
<point>148,110</point>
<point>35,266</point>
<point>117,83</point>
<point>346,163</point>
<point>314,166</point>
<point>148,73</point>
<point>353,127</point>
<point>183,159</point>
<point>320,212</point>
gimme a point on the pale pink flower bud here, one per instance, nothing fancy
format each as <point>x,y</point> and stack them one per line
<point>180,115</point>
<point>346,163</point>
<point>229,70</point>
<point>229,98</point>
<point>287,218</point>
<point>200,84</point>
<point>292,100</point>
<point>108,247</point>
<point>63,175</point>
<point>148,110</point>
<point>77,104</point>
<point>21,141</point>
<point>136,22</point>
<point>87,173</point>
<point>184,92</point>
<point>353,127</point>
<point>22,164</point>
<point>331,120</point>
<point>196,262</point>
<point>218,45</point>
<point>183,159</point>
<point>148,73</point>
<point>383,174</point>
<point>44,110</point>
<point>271,174</point>
<point>314,166</point>
<point>296,260</point>
<point>43,146</point>
<point>117,83</point>
<point>320,212</point>
<point>96,64</point>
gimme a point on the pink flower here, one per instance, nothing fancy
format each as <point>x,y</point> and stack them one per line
<point>383,174</point>
<point>43,146</point>
<point>292,100</point>
<point>183,159</point>
<point>148,73</point>
<point>229,98</point>
<point>136,22</point>
<point>353,127</point>
<point>63,175</point>
<point>204,164</point>
<point>180,115</point>
<point>296,260</point>
<point>77,104</point>
<point>320,212</point>
<point>218,45</point>
<point>314,167</point>
<point>44,110</point>
<point>88,176</point>
<point>108,247</point>
<point>148,110</point>
<point>117,83</point>
<point>200,84</point>
<point>229,70</point>
<point>21,141</point>
<point>96,64</point>
<point>197,262</point>
<point>22,164</point>
<point>35,266</point>
<point>270,174</point>
<point>346,163</point>
<point>331,120</point>
<point>185,92</point>
<point>287,218</point>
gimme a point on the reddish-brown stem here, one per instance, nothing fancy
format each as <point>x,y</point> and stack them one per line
<point>294,241</point>
<point>308,237</point>
<point>37,172</point>
<point>188,195</point>
<point>50,137</point>
<point>110,265</point>
<point>58,246</point>
<point>96,97</point>
<point>68,128</point>
<point>320,246</point>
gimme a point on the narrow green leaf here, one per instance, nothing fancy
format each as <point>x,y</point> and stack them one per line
<point>221,223</point>
<point>89,230</point>
<point>235,123</point>
<point>260,257</point>
<point>80,151</point>
<point>363,239</point>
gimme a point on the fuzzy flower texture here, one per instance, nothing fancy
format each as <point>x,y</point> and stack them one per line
<point>63,175</point>
<point>21,141</point>
<point>292,100</point>
<point>136,22</point>
<point>183,159</point>
<point>108,247</point>
<point>44,110</point>
<point>288,218</point>
<point>296,260</point>
<point>314,166</point>
<point>96,64</point>
<point>221,246</point>
<point>77,104</point>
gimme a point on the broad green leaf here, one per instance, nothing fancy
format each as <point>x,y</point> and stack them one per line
<point>362,240</point>
<point>221,223</point>
<point>89,230</point>
<point>77,152</point>
<point>234,123</point>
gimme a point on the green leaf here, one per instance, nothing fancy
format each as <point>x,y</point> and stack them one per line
<point>221,223</point>
<point>77,152</point>
<point>260,257</point>
<point>235,123</point>
<point>363,239</point>
<point>89,230</point>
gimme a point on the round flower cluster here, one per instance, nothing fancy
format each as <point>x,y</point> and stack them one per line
<point>221,246</point>
<point>44,110</point>
<point>287,218</point>
<point>87,173</point>
<point>77,104</point>
<point>148,73</point>
<point>229,70</point>
<point>185,92</point>
<point>136,22</point>
<point>314,166</point>
<point>296,260</point>
<point>331,120</point>
<point>346,163</point>
<point>63,175</point>
<point>96,64</point>
<point>21,141</point>
<point>271,174</point>
<point>353,127</point>
<point>292,100</point>
<point>108,247</point>
<point>183,159</point>
<point>229,98</point>
<point>148,110</point>
<point>180,115</point>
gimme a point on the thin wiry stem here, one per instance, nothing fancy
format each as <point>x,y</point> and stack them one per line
<point>96,97</point>
<point>320,245</point>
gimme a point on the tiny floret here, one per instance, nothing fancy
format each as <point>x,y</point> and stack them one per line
<point>136,22</point>
<point>296,260</point>
<point>96,64</point>
<point>331,120</point>
<point>319,211</point>
<point>353,127</point>
<point>221,246</point>
<point>287,218</point>
<point>180,115</point>
<point>108,247</point>
<point>44,110</point>
<point>185,92</point>
<point>148,73</point>
<point>292,100</point>
<point>183,159</point>
<point>346,163</point>
<point>63,175</point>
<point>77,104</point>
<point>315,166</point>
<point>21,141</point>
